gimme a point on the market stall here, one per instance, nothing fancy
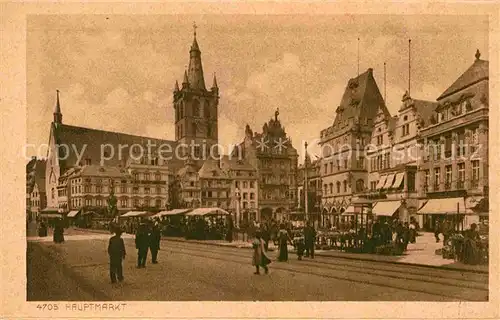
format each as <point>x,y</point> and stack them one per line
<point>172,221</point>
<point>206,223</point>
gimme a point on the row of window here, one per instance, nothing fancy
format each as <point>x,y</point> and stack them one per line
<point>196,110</point>
<point>360,164</point>
<point>195,129</point>
<point>123,203</point>
<point>35,203</point>
<point>380,162</point>
<point>272,179</point>
<point>277,195</point>
<point>460,177</point>
<point>217,183</point>
<point>214,194</point>
<point>270,164</point>
<point>245,184</point>
<point>104,189</point>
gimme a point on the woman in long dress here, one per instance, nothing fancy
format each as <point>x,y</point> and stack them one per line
<point>260,258</point>
<point>283,240</point>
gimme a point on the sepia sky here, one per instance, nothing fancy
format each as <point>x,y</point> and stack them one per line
<point>117,73</point>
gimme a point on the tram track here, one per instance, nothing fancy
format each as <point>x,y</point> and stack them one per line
<point>451,288</point>
<point>380,265</point>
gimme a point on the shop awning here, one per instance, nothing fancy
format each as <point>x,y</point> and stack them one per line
<point>173,212</point>
<point>50,215</point>
<point>72,214</point>
<point>207,211</point>
<point>381,182</point>
<point>388,182</point>
<point>445,206</point>
<point>47,210</point>
<point>133,214</point>
<point>386,208</point>
<point>399,179</point>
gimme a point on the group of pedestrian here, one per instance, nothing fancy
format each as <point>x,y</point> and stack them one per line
<point>147,238</point>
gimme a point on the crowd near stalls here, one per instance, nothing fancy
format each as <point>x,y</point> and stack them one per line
<point>199,223</point>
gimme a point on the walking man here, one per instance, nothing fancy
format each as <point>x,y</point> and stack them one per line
<point>116,252</point>
<point>142,245</point>
<point>310,239</point>
<point>154,242</point>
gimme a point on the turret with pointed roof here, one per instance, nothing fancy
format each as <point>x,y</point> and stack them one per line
<point>57,111</point>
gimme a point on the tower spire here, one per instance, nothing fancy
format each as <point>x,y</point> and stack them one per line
<point>57,111</point>
<point>185,82</point>
<point>215,82</point>
<point>176,86</point>
<point>195,71</point>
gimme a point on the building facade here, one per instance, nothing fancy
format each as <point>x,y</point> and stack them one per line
<point>393,160</point>
<point>453,169</point>
<point>343,166</point>
<point>36,198</point>
<point>272,154</point>
<point>244,193</point>
<point>215,185</point>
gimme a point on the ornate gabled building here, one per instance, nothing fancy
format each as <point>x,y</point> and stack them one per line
<point>393,160</point>
<point>453,169</point>
<point>271,152</point>
<point>343,166</point>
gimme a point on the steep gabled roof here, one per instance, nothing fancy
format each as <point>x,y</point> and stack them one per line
<point>477,71</point>
<point>89,142</point>
<point>361,99</point>
<point>210,169</point>
<point>236,164</point>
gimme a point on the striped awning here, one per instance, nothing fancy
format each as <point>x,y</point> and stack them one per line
<point>388,182</point>
<point>381,182</point>
<point>399,179</point>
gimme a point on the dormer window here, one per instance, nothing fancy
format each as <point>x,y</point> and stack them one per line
<point>405,118</point>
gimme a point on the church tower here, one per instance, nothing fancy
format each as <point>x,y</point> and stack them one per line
<point>196,108</point>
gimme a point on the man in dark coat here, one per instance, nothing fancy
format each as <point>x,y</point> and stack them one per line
<point>116,252</point>
<point>154,242</point>
<point>310,239</point>
<point>142,245</point>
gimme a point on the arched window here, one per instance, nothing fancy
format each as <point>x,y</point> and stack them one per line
<point>196,108</point>
<point>360,185</point>
<point>181,115</point>
<point>206,110</point>
<point>331,188</point>
<point>325,187</point>
<point>209,130</point>
<point>345,185</point>
<point>194,129</point>
<point>338,186</point>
